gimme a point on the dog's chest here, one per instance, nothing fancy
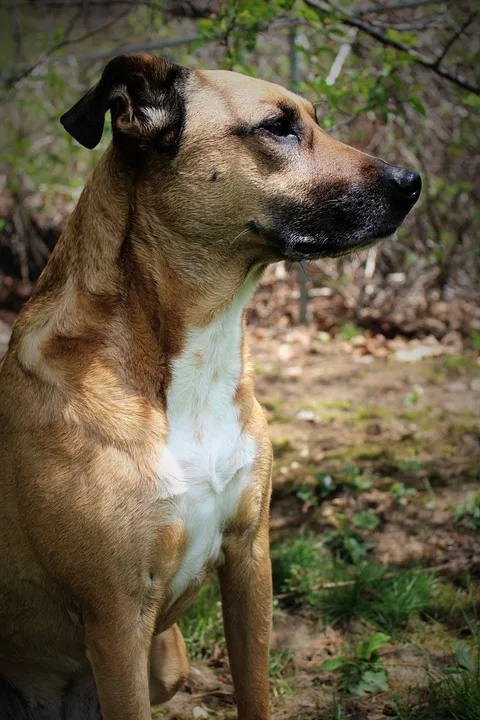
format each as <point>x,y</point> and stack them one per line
<point>208,460</point>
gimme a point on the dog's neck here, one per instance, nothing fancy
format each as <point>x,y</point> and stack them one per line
<point>118,276</point>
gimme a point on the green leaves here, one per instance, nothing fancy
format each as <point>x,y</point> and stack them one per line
<point>467,513</point>
<point>371,682</point>
<point>417,104</point>
<point>368,649</point>
<point>366,520</point>
<point>238,25</point>
<point>332,665</point>
<point>362,673</point>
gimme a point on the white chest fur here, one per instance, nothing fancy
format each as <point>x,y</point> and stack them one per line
<point>208,459</point>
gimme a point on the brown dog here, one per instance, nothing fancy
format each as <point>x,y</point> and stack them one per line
<point>134,456</point>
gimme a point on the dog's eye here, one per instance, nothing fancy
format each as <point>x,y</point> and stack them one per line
<point>280,127</point>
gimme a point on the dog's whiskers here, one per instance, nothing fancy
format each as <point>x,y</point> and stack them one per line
<point>240,234</point>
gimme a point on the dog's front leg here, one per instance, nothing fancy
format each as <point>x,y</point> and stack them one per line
<point>118,646</point>
<point>246,587</point>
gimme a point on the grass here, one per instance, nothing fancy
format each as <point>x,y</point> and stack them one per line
<point>453,695</point>
<point>281,672</point>
<point>388,601</point>
<point>296,564</point>
<point>343,525</point>
<point>321,486</point>
<point>337,710</point>
<point>467,513</point>
<point>456,607</point>
<point>202,625</point>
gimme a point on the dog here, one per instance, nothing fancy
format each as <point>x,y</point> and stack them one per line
<point>134,455</point>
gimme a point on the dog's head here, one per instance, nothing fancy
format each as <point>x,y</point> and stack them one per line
<point>241,164</point>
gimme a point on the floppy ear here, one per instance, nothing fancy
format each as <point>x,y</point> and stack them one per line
<point>145,98</point>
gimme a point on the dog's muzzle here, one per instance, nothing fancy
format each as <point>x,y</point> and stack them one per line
<point>336,219</point>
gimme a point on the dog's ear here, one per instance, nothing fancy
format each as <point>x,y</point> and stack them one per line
<point>146,101</point>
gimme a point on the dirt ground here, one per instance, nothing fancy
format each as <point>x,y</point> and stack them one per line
<point>330,404</point>
<point>405,412</point>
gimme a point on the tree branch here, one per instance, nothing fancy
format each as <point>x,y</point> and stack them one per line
<point>454,38</point>
<point>65,41</point>
<point>347,18</point>
<point>407,5</point>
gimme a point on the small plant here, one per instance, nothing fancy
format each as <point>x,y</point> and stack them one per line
<point>325,486</point>
<point>296,564</point>
<point>281,671</point>
<point>353,478</point>
<point>454,362</point>
<point>454,695</point>
<point>322,487</point>
<point>468,512</point>
<point>401,493</point>
<point>361,673</point>
<point>475,340</point>
<point>337,710</point>
<point>366,520</point>
<point>345,543</point>
<point>409,465</point>
<point>349,330</point>
<point>413,396</point>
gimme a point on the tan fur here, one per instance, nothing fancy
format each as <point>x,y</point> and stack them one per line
<point>88,549</point>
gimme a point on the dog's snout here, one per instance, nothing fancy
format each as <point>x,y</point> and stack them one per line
<point>405,182</point>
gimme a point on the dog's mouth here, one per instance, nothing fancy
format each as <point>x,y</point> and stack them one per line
<point>298,250</point>
<point>341,221</point>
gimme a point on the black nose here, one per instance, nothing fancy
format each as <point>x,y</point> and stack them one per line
<point>406,183</point>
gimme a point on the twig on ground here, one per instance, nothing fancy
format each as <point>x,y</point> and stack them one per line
<point>444,567</point>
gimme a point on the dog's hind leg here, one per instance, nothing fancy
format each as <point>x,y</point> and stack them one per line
<point>168,665</point>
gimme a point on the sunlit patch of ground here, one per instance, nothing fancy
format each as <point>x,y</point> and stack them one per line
<point>377,465</point>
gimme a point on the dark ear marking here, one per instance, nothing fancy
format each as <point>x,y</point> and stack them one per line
<point>86,119</point>
<point>145,97</point>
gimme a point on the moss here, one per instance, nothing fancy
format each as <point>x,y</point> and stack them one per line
<point>433,637</point>
<point>455,607</point>
<point>328,405</point>
<point>463,427</point>
<point>372,452</point>
<point>371,412</point>
<point>382,458</point>
<point>281,446</point>
<point>459,363</point>
<point>410,446</point>
<point>282,418</point>
<point>338,405</point>
<point>423,418</point>
<point>278,409</point>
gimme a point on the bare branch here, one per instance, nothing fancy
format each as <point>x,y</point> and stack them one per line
<point>407,5</point>
<point>455,37</point>
<point>65,41</point>
<point>347,18</point>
